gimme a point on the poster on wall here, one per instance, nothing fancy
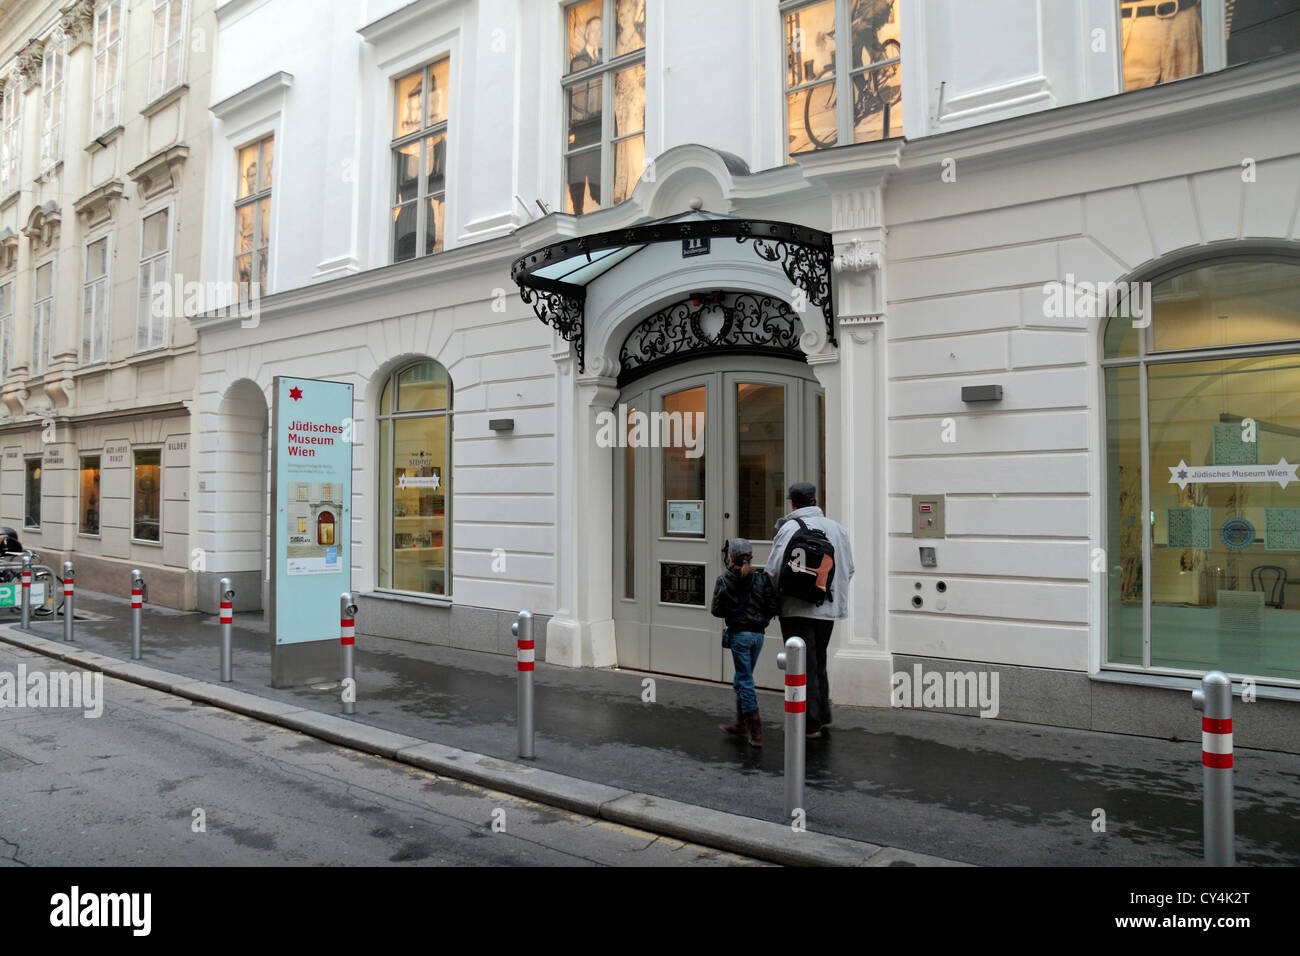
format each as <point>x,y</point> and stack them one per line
<point>312,465</point>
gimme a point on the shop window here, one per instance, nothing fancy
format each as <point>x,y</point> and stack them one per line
<point>167,58</point>
<point>42,316</point>
<point>415,445</point>
<point>253,217</point>
<point>107,94</point>
<point>419,150</point>
<point>89,499</point>
<point>155,282</point>
<point>52,65</point>
<point>604,102</point>
<point>147,484</point>
<point>1203,517</point>
<point>94,304</point>
<point>32,494</point>
<point>832,103</point>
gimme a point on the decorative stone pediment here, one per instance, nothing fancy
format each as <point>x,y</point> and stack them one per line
<point>160,171</point>
<point>100,203</point>
<point>43,224</point>
<point>8,249</point>
<point>78,22</point>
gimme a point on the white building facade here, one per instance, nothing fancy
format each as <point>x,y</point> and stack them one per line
<point>895,274</point>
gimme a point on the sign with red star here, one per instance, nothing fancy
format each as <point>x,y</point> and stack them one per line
<point>295,393</point>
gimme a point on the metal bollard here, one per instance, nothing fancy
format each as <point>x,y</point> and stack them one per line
<point>793,660</point>
<point>1214,700</point>
<point>27,592</point>
<point>227,620</point>
<point>347,638</point>
<point>137,602</point>
<point>68,600</point>
<point>525,658</point>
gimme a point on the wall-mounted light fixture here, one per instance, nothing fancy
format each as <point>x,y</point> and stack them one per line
<point>501,424</point>
<point>981,393</point>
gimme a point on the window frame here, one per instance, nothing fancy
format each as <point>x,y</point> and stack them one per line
<point>53,101</point>
<point>6,324</point>
<point>88,288</point>
<point>424,133</point>
<point>39,361</point>
<point>154,54</point>
<point>135,463</point>
<point>101,119</point>
<point>385,449</point>
<point>605,71</point>
<point>843,78</point>
<point>254,199</point>
<point>40,490</point>
<point>11,139</point>
<point>81,504</point>
<point>167,294</point>
<point>1145,357</point>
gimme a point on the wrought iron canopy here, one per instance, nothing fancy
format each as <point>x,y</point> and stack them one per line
<point>554,278</point>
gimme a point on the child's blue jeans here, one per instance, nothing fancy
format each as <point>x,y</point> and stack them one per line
<point>745,648</point>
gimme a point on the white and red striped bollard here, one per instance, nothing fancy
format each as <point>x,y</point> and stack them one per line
<point>525,661</point>
<point>227,626</point>
<point>347,640</point>
<point>69,594</point>
<point>137,602</point>
<point>26,579</point>
<point>794,661</point>
<point>1214,700</point>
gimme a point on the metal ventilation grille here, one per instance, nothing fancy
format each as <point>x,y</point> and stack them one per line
<point>1241,610</point>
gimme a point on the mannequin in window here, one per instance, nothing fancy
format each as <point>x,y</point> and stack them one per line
<point>1162,41</point>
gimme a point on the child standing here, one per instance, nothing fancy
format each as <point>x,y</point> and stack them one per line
<point>745,598</point>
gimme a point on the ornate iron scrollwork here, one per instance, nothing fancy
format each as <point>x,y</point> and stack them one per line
<point>808,267</point>
<point>750,324</point>
<point>561,312</point>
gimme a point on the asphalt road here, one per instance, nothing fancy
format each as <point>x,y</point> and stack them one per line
<point>133,785</point>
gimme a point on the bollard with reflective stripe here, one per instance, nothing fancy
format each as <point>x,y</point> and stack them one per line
<point>137,602</point>
<point>793,660</point>
<point>27,592</point>
<point>68,600</point>
<point>525,659</point>
<point>1214,700</point>
<point>347,640</point>
<point>227,622</point>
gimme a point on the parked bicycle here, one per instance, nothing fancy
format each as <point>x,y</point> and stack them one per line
<point>11,566</point>
<point>875,90</point>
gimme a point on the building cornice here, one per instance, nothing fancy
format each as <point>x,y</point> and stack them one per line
<point>160,171</point>
<point>400,20</point>
<point>273,85</point>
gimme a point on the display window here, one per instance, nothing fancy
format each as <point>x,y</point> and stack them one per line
<point>88,511</point>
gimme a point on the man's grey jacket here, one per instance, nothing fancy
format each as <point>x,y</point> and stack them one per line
<point>837,607</point>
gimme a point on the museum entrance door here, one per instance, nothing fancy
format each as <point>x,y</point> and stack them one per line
<point>682,490</point>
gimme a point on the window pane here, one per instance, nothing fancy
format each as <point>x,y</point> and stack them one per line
<point>406,177</point>
<point>420,528</point>
<point>1124,517</point>
<point>583,179</point>
<point>43,274</point>
<point>439,92</point>
<point>261,271</point>
<point>1231,303</point>
<point>244,273</point>
<point>264,223</point>
<point>585,31</point>
<point>32,494</point>
<point>1157,49</point>
<point>89,523</point>
<point>147,516</point>
<point>877,95</point>
<point>435,164</point>
<point>267,161</point>
<point>409,89</point>
<point>155,233</point>
<point>629,163</point>
<point>1223,551</point>
<point>247,171</point>
<point>1263,28</point>
<point>422,386</point>
<point>244,229</point>
<point>433,225</point>
<point>404,234</point>
<point>97,259</point>
<point>809,43</point>
<point>760,449</point>
<point>584,113</point>
<point>629,100</point>
<point>811,118</point>
<point>683,475</point>
<point>629,26</point>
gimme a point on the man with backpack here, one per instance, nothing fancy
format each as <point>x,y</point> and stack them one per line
<point>811,565</point>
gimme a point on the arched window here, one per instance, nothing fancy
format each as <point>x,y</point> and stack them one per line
<point>415,427</point>
<point>1202,405</point>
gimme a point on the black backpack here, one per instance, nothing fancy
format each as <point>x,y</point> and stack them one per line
<point>808,566</point>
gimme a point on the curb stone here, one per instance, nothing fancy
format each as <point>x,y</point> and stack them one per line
<point>733,833</point>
